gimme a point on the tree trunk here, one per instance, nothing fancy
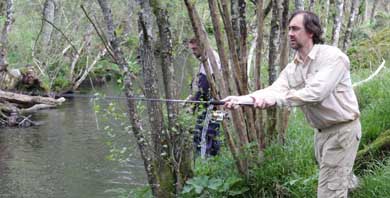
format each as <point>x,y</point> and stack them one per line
<point>162,154</point>
<point>365,14</point>
<point>374,5</point>
<point>144,146</point>
<point>311,5</point>
<point>338,19</point>
<point>4,33</point>
<point>283,113</point>
<point>182,159</point>
<point>226,75</point>
<point>257,73</point>
<point>47,29</point>
<point>239,124</point>
<point>299,4</point>
<point>351,22</point>
<point>324,18</point>
<point>273,63</point>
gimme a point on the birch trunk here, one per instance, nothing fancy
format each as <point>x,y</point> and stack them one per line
<point>4,33</point>
<point>365,11</point>
<point>311,5</point>
<point>373,10</point>
<point>324,18</point>
<point>351,22</point>
<point>299,4</point>
<point>338,18</point>
<point>47,29</point>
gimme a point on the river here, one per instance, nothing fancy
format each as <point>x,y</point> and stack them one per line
<point>66,156</point>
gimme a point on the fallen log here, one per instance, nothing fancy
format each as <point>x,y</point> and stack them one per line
<point>29,100</point>
<point>13,106</point>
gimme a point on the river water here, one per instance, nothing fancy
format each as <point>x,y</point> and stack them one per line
<point>65,157</point>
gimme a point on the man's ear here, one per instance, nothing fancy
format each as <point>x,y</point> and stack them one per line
<point>311,35</point>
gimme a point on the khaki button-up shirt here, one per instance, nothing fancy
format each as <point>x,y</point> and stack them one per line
<point>321,86</point>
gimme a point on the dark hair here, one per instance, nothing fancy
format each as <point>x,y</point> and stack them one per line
<point>312,24</point>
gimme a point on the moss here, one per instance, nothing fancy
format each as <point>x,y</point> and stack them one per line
<point>377,150</point>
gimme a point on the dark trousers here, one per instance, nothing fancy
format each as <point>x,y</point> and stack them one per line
<point>212,142</point>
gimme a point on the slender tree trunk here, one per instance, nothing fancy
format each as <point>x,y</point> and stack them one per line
<point>5,31</point>
<point>162,155</point>
<point>338,19</point>
<point>299,4</point>
<point>154,154</point>
<point>311,5</point>
<point>47,29</point>
<point>182,159</point>
<point>273,63</point>
<point>130,10</point>
<point>324,18</point>
<point>365,11</point>
<point>283,113</point>
<point>257,73</point>
<point>234,13</point>
<point>243,40</point>
<point>374,5</point>
<point>351,22</point>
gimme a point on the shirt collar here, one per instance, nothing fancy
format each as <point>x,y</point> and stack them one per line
<point>312,55</point>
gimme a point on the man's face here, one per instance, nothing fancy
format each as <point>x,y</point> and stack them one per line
<point>195,49</point>
<point>297,33</point>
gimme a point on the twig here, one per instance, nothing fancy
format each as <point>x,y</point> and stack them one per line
<point>24,120</point>
<point>63,34</point>
<point>371,76</point>
<point>105,42</point>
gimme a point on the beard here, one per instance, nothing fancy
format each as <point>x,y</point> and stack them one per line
<point>295,44</point>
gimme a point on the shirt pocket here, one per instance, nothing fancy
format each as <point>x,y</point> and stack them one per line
<point>295,81</point>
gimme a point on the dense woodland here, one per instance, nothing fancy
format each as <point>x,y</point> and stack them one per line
<point>52,47</point>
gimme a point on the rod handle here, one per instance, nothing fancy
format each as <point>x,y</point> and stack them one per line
<point>219,102</point>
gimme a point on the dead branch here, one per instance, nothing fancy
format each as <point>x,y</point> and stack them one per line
<point>372,75</point>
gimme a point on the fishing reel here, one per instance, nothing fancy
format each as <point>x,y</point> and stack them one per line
<point>218,115</point>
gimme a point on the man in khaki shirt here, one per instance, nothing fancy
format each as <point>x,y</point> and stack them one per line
<point>318,81</point>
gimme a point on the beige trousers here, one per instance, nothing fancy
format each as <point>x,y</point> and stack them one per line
<point>335,151</point>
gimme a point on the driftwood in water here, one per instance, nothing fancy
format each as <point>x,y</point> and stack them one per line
<point>14,107</point>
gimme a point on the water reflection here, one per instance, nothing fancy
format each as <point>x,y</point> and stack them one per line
<point>64,157</point>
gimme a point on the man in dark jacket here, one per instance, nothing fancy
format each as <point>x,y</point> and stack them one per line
<point>200,87</point>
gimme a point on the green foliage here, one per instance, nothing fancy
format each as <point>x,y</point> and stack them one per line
<point>217,177</point>
<point>116,130</point>
<point>290,169</point>
<point>370,51</point>
<point>374,99</point>
<point>375,183</point>
<point>203,186</point>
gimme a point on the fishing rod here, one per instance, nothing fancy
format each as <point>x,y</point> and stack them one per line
<point>210,102</point>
